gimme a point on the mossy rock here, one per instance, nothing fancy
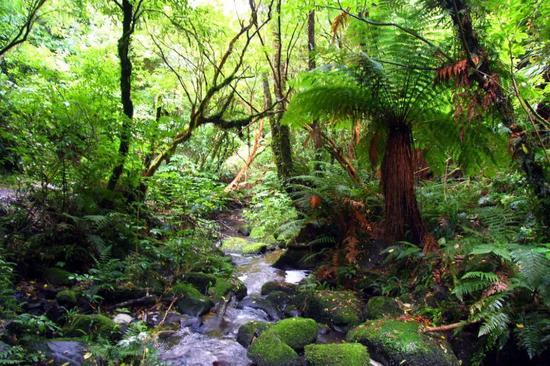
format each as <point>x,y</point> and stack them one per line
<point>224,287</point>
<point>338,308</point>
<point>399,343</point>
<point>201,281</point>
<point>383,307</point>
<point>337,354</point>
<point>234,244</point>
<point>58,276</point>
<point>241,245</point>
<point>272,286</point>
<point>296,332</point>
<point>255,248</point>
<point>67,297</point>
<point>280,299</point>
<point>270,350</point>
<point>94,325</point>
<point>247,332</point>
<point>191,301</point>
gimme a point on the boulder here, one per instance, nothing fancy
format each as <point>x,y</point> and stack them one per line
<point>191,301</point>
<point>399,343</point>
<point>241,245</point>
<point>295,332</point>
<point>234,244</point>
<point>255,248</point>
<point>257,302</point>
<point>58,276</point>
<point>337,354</point>
<point>201,281</point>
<point>95,325</point>
<point>272,286</point>
<point>67,297</point>
<point>123,321</point>
<point>251,330</point>
<point>337,308</point>
<point>280,300</point>
<point>298,258</point>
<point>225,287</point>
<point>383,307</point>
<point>269,350</point>
<point>66,353</point>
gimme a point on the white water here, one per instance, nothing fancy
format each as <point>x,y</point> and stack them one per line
<point>215,342</point>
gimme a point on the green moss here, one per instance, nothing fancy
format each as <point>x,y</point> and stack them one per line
<point>269,350</point>
<point>234,244</point>
<point>340,308</point>
<point>241,245</point>
<point>67,297</point>
<point>201,281</point>
<point>226,286</point>
<point>185,289</point>
<point>398,340</point>
<point>337,354</point>
<point>58,276</point>
<point>399,336</point>
<point>382,307</point>
<point>191,301</point>
<point>94,325</point>
<point>296,332</point>
<point>254,248</point>
<point>251,330</point>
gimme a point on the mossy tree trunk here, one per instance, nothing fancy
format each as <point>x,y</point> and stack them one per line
<point>129,18</point>
<point>280,134</point>
<point>523,149</point>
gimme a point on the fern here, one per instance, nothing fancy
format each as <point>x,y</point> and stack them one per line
<point>533,333</point>
<point>474,282</point>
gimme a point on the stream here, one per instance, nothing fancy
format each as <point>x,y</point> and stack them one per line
<point>212,340</point>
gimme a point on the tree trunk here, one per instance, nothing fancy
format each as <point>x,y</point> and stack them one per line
<point>402,216</point>
<point>311,65</point>
<point>125,92</point>
<point>523,150</point>
<point>280,134</point>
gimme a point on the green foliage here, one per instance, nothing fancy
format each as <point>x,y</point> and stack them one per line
<point>93,326</point>
<point>271,213</point>
<point>6,290</point>
<point>19,355</point>
<point>182,189</point>
<point>135,348</point>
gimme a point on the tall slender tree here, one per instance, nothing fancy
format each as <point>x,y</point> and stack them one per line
<point>130,16</point>
<point>280,134</point>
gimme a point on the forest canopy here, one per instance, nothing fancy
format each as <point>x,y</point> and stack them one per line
<point>168,168</point>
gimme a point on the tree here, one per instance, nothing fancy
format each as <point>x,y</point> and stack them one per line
<point>388,84</point>
<point>482,73</point>
<point>212,91</point>
<point>130,17</point>
<point>23,30</point>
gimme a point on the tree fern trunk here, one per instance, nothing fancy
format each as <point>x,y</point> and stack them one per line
<point>402,216</point>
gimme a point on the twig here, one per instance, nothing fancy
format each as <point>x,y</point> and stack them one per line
<point>444,328</point>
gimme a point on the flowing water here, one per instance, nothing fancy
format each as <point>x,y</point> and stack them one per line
<point>211,340</point>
